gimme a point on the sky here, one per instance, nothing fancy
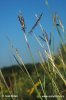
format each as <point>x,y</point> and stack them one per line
<point>10,26</point>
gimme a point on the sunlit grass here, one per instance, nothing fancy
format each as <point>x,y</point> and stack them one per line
<point>44,79</point>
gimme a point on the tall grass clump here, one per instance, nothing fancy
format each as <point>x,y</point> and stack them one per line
<point>51,70</point>
<point>46,80</point>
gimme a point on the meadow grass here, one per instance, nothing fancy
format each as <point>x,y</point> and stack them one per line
<point>41,81</point>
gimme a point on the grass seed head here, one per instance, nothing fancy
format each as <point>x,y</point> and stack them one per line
<point>22,22</point>
<point>36,23</point>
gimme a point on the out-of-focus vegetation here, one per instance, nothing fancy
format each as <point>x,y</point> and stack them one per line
<point>19,83</point>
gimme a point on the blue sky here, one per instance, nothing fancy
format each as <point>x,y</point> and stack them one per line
<point>10,26</point>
